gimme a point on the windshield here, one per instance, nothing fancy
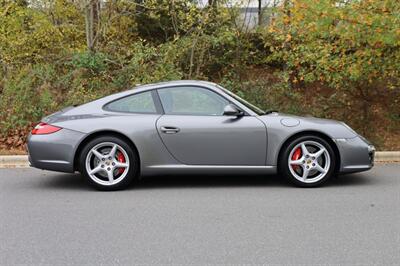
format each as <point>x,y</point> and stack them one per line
<point>252,107</point>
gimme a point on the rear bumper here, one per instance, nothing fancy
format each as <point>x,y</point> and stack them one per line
<point>55,151</point>
<point>356,155</point>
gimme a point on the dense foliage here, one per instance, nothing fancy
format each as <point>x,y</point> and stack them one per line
<point>334,59</point>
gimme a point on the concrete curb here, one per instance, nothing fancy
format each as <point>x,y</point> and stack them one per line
<point>387,156</point>
<point>21,161</point>
<point>14,161</point>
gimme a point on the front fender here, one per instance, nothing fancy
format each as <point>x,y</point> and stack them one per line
<point>282,127</point>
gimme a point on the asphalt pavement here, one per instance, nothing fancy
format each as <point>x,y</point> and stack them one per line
<point>56,219</point>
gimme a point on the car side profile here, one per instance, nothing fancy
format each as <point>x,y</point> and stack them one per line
<point>192,127</point>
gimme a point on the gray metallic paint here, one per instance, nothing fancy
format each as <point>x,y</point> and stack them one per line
<point>55,151</point>
<point>204,143</point>
<point>278,133</point>
<point>225,141</point>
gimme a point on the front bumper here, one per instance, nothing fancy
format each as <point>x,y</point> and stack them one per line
<point>356,154</point>
<point>54,151</point>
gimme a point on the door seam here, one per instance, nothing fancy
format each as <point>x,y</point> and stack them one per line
<point>166,147</point>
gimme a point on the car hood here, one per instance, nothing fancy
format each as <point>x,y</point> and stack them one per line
<point>332,128</point>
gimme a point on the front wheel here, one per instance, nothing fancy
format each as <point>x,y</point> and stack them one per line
<point>308,161</point>
<point>108,163</point>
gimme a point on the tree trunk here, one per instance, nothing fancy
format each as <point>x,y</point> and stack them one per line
<point>287,44</point>
<point>212,3</point>
<point>259,12</point>
<point>92,12</point>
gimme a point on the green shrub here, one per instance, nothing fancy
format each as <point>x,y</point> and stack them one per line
<point>95,62</point>
<point>26,97</point>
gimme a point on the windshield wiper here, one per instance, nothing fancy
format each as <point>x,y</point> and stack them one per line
<point>270,112</point>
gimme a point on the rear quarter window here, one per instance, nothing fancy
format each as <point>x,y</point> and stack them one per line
<point>136,103</point>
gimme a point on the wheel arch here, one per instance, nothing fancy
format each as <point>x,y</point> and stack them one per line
<point>313,133</point>
<point>97,134</point>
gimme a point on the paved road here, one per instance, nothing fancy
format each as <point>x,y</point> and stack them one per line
<point>52,218</point>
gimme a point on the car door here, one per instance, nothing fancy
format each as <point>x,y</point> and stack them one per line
<point>195,131</point>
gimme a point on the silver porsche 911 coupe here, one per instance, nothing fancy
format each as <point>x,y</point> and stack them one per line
<point>192,127</point>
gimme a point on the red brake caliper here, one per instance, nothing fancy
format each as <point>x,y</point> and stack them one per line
<point>296,155</point>
<point>121,159</point>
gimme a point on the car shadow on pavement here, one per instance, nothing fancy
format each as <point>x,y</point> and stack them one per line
<point>64,181</point>
<point>76,181</point>
<point>357,179</point>
<point>208,181</point>
<point>215,181</point>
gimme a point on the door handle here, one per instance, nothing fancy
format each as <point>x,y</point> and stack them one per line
<point>169,130</point>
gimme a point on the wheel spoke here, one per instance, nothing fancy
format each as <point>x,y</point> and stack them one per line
<point>97,154</point>
<point>305,173</point>
<point>120,165</point>
<point>304,149</point>
<point>110,175</point>
<point>95,170</point>
<point>319,168</point>
<point>113,151</point>
<point>297,162</point>
<point>318,153</point>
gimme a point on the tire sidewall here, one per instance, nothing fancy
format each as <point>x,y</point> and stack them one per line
<point>133,160</point>
<point>284,166</point>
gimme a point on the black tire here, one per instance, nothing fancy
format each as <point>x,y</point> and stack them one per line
<point>284,165</point>
<point>133,170</point>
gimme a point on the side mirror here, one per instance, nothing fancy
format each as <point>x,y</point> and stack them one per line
<point>232,110</point>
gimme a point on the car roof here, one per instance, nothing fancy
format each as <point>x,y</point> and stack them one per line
<point>173,83</point>
<point>152,86</point>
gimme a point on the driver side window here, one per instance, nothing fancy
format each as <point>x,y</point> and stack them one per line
<point>186,100</point>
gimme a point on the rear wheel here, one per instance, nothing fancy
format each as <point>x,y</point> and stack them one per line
<point>108,163</point>
<point>308,161</point>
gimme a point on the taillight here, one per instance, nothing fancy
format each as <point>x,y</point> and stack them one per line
<point>43,128</point>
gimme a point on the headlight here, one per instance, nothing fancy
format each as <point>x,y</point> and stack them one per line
<point>371,148</point>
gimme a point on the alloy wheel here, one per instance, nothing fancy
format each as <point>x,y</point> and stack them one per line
<point>309,161</point>
<point>107,163</point>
